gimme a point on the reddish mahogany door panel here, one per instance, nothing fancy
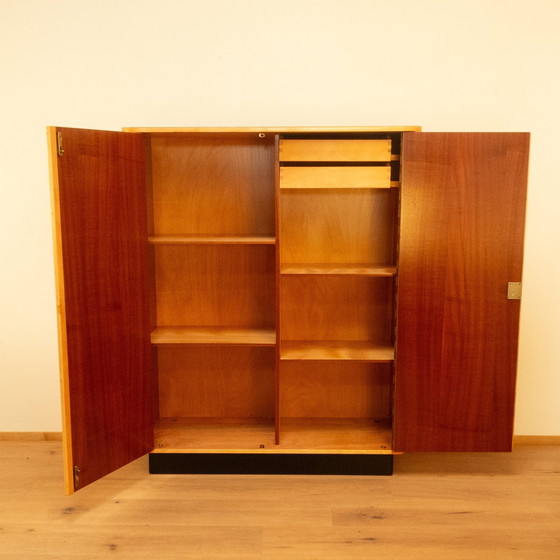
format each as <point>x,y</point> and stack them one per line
<point>462,222</point>
<point>99,196</point>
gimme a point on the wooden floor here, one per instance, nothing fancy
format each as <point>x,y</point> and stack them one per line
<point>445,506</point>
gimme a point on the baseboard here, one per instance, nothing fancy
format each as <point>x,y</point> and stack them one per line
<point>30,436</point>
<point>536,440</point>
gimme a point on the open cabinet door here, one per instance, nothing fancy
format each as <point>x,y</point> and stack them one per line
<point>462,224</point>
<point>99,206</point>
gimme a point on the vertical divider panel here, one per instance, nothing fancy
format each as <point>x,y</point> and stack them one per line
<point>396,177</point>
<point>277,423</point>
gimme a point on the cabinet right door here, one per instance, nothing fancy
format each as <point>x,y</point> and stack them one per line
<point>461,243</point>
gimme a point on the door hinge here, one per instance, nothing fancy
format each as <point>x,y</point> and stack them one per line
<point>514,290</point>
<point>76,477</point>
<point>59,147</point>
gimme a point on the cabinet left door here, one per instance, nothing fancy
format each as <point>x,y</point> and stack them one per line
<point>98,182</point>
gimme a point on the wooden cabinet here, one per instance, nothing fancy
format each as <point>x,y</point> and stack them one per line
<point>289,300</point>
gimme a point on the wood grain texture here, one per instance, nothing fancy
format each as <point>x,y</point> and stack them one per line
<point>462,218</point>
<point>101,196</point>
<point>298,435</point>
<point>213,335</point>
<point>277,288</point>
<point>336,308</point>
<point>213,184</point>
<point>30,436</point>
<point>335,390</point>
<point>338,226</point>
<point>200,381</point>
<point>346,350</point>
<point>215,286</point>
<point>452,506</point>
<point>68,460</point>
<point>251,130</point>
<point>331,177</point>
<point>356,150</point>
<point>199,435</point>
<point>369,435</point>
<point>211,240</point>
<point>338,269</point>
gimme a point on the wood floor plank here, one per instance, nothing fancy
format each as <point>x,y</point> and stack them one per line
<point>436,506</point>
<point>132,541</point>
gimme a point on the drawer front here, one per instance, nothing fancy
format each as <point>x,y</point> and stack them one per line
<point>335,177</point>
<point>335,150</point>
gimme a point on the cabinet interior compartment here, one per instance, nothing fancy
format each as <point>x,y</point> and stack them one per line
<point>226,380</point>
<point>336,405</point>
<point>352,227</point>
<point>338,217</point>
<point>212,185</point>
<point>212,236</point>
<point>215,396</point>
<point>336,309</point>
<point>215,286</point>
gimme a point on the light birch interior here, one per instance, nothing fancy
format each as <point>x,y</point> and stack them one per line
<point>273,291</point>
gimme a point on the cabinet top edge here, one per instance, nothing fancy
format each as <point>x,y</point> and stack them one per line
<point>273,129</point>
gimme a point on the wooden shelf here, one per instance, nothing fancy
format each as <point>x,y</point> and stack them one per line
<point>336,434</point>
<point>335,150</point>
<point>329,177</point>
<point>298,435</point>
<point>357,269</point>
<point>230,435</point>
<point>211,240</point>
<point>335,350</point>
<point>213,335</point>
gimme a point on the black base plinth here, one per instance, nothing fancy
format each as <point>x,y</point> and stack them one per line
<point>253,463</point>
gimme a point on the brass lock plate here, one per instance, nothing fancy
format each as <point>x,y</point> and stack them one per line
<point>514,290</point>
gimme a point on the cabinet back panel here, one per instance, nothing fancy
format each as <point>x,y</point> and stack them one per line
<point>198,381</point>
<point>209,184</point>
<point>335,390</point>
<point>215,286</point>
<point>344,226</point>
<point>336,308</point>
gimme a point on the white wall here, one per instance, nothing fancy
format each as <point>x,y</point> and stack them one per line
<point>486,65</point>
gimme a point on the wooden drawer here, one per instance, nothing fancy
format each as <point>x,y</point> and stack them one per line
<point>335,177</point>
<point>335,150</point>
